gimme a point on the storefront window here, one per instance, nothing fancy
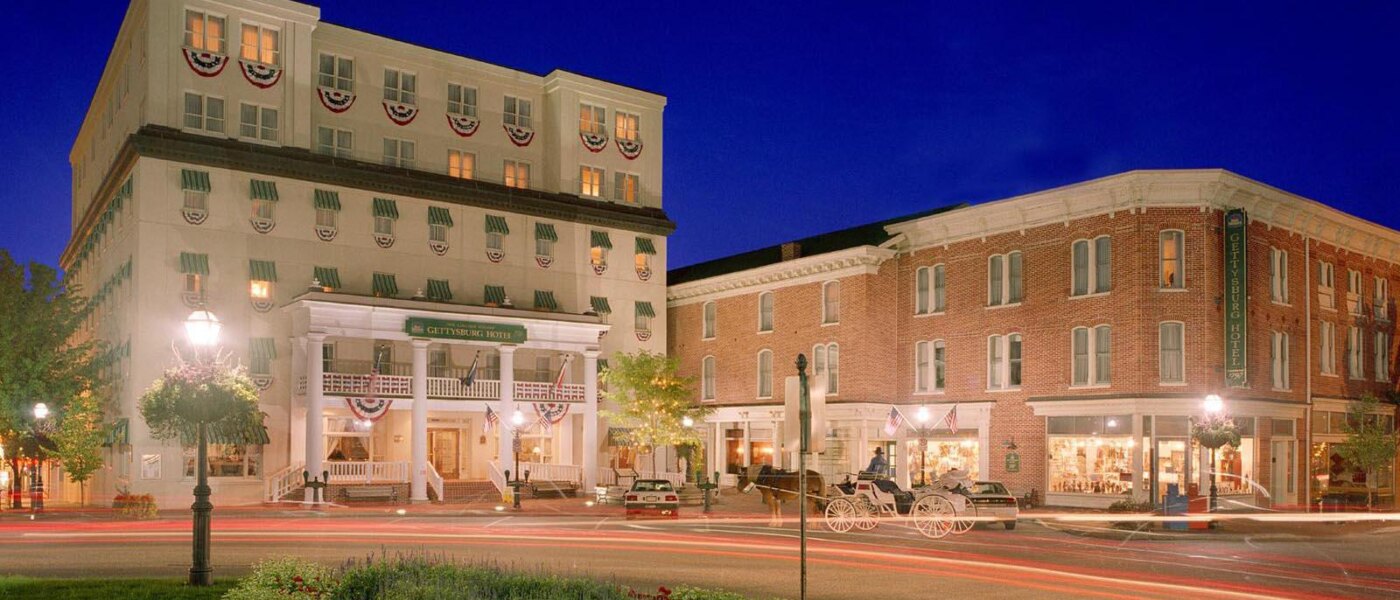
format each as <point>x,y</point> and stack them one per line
<point>1091,455</point>
<point>761,450</point>
<point>228,460</point>
<point>1234,467</point>
<point>733,450</point>
<point>835,462</point>
<point>1333,474</point>
<point>940,456</point>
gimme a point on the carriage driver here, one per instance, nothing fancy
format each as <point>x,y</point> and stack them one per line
<point>878,465</point>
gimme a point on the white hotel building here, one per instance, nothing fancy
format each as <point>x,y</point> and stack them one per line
<point>321,190</point>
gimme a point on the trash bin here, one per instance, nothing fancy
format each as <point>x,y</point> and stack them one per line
<point>1174,504</point>
<point>1198,505</point>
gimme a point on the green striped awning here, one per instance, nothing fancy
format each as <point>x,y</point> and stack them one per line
<point>545,231</point>
<point>327,276</point>
<point>326,199</point>
<point>194,263</point>
<point>495,294</point>
<point>544,300</point>
<point>600,239</point>
<point>602,365</point>
<point>600,305</point>
<point>262,190</point>
<point>237,436</point>
<point>617,436</point>
<point>385,285</point>
<point>644,309</point>
<point>497,224</point>
<point>644,246</point>
<point>384,207</point>
<point>262,348</point>
<point>262,270</point>
<point>125,190</point>
<point>194,181</point>
<point>438,289</point>
<point>439,215</point>
<point>119,433</point>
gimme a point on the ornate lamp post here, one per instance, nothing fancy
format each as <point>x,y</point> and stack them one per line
<point>1214,431</point>
<point>202,329</point>
<point>517,420</point>
<point>36,483</point>
<point>922,417</point>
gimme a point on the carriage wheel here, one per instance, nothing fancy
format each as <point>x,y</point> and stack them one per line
<point>933,516</point>
<point>869,513</point>
<point>841,515</point>
<point>965,521</point>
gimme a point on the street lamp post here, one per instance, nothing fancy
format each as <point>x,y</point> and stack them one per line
<point>922,417</point>
<point>202,329</point>
<point>1214,406</point>
<point>517,420</point>
<point>36,482</point>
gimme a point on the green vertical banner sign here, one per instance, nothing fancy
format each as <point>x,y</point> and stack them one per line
<point>1236,299</point>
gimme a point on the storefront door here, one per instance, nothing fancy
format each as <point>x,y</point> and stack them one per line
<point>1281,472</point>
<point>1173,466</point>
<point>444,448</point>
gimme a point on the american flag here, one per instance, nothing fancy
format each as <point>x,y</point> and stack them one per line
<point>491,420</point>
<point>471,372</point>
<point>893,422</point>
<point>373,374</point>
<point>559,379</point>
<point>952,419</point>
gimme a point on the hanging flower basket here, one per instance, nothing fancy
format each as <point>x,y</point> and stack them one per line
<point>1215,432</point>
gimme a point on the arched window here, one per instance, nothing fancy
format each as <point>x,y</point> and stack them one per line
<point>831,302</point>
<point>765,373</point>
<point>765,311</point>
<point>707,378</point>
<point>1172,250</point>
<point>709,320</point>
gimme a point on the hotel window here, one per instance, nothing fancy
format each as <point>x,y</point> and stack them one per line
<point>257,122</point>
<point>1380,299</point>
<point>195,268</point>
<point>545,237</point>
<point>1327,356</point>
<point>921,366</point>
<point>261,351</point>
<point>263,195</point>
<point>598,246</point>
<point>261,274</point>
<point>765,311</point>
<point>940,365</point>
<point>831,302</point>
<point>826,362</point>
<point>590,181</point>
<point>398,153</point>
<point>461,165</point>
<point>227,460</point>
<point>195,185</point>
<point>626,188</point>
<point>204,31</point>
<point>385,213</point>
<point>261,44</point>
<point>327,205</point>
<point>591,118</point>
<point>1004,279</point>
<point>400,86</point>
<point>439,290</point>
<point>1093,355</point>
<point>707,378</point>
<point>517,112</point>
<point>461,100</point>
<point>1171,354</point>
<point>496,230</point>
<point>1278,359</point>
<point>437,232</point>
<point>1354,292</point>
<point>708,331</point>
<point>644,314</point>
<point>335,142</point>
<point>1382,356</point>
<point>765,373</point>
<point>517,174</point>
<point>205,113</point>
<point>922,291</point>
<point>644,250</point>
<point>1326,285</point>
<point>1278,275</point>
<point>1004,362</point>
<point>337,72</point>
<point>1355,361</point>
<point>1092,264</point>
<point>627,124</point>
<point>1172,249</point>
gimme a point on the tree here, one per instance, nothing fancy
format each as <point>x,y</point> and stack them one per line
<point>79,438</point>
<point>1371,443</point>
<point>43,357</point>
<point>652,401</point>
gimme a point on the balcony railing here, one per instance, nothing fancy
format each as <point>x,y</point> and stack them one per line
<point>452,387</point>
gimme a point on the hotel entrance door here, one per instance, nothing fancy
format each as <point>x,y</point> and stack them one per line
<point>444,449</point>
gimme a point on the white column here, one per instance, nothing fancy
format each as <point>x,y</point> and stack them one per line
<point>590,419</point>
<point>1139,482</point>
<point>296,420</point>
<point>507,408</point>
<point>418,488</point>
<point>315,405</point>
<point>860,454</point>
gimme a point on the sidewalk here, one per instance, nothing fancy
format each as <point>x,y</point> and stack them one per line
<point>1254,526</point>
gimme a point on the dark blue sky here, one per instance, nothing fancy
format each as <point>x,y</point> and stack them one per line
<point>787,119</point>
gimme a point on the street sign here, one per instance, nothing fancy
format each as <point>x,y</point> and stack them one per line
<point>1013,462</point>
<point>792,428</point>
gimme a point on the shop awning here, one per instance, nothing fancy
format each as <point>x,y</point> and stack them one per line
<point>644,309</point>
<point>326,199</point>
<point>328,277</point>
<point>438,215</point>
<point>600,239</point>
<point>119,433</point>
<point>385,284</point>
<point>544,300</point>
<point>384,207</point>
<point>262,190</point>
<point>238,436</point>
<point>194,181</point>
<point>497,224</point>
<point>438,289</point>
<point>644,246</point>
<point>600,305</point>
<point>495,294</point>
<point>191,263</point>
<point>545,231</point>
<point>617,436</point>
<point>262,270</point>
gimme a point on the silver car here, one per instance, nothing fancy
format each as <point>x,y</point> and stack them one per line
<point>991,500</point>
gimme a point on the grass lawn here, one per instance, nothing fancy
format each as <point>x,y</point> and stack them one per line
<point>104,589</point>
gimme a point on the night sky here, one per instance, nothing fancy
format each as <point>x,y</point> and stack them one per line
<point>789,119</point>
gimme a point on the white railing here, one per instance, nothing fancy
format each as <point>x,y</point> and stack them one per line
<point>358,385</point>
<point>451,387</point>
<point>283,481</point>
<point>549,472</point>
<point>545,392</point>
<point>399,386</point>
<point>498,479</point>
<point>606,476</point>
<point>367,472</point>
<point>435,481</point>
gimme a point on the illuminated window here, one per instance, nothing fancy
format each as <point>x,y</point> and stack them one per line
<point>257,122</point>
<point>599,245</point>
<point>626,188</point>
<point>1172,252</point>
<point>461,100</point>
<point>400,86</point>
<point>262,209</point>
<point>204,112</point>
<point>337,72</point>
<point>590,181</point>
<point>204,32</point>
<point>517,112</point>
<point>260,290</point>
<point>517,174</point>
<point>590,119</point>
<point>627,126</point>
<point>260,44</point>
<point>461,164</point>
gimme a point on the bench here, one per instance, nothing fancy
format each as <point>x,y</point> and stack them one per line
<point>559,488</point>
<point>621,474</point>
<point>370,492</point>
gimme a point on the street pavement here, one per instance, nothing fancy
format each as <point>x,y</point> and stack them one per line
<point>734,549</point>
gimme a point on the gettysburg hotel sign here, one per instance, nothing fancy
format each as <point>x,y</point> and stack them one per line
<point>1236,296</point>
<point>465,330</point>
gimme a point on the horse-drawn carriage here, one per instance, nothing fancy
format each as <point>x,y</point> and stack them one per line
<point>861,503</point>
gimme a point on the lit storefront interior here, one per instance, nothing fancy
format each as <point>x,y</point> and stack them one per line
<point>1090,455</point>
<point>1332,476</point>
<point>942,452</point>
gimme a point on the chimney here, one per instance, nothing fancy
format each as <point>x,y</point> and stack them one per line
<point>791,250</point>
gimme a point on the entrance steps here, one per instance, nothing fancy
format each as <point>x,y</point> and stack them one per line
<point>462,491</point>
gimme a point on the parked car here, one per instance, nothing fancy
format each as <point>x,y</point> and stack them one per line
<point>652,498</point>
<point>991,499</point>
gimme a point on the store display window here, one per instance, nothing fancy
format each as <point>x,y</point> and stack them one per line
<point>1090,455</point>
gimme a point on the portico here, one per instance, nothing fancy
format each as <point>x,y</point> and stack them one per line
<point>464,360</point>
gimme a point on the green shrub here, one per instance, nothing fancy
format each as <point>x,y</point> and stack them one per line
<point>685,592</point>
<point>420,577</point>
<point>285,577</point>
<point>134,506</point>
<point>1129,506</point>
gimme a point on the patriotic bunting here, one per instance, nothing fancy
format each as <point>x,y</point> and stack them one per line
<point>369,409</point>
<point>400,113</point>
<point>259,74</point>
<point>463,125</point>
<point>336,101</point>
<point>520,136</point>
<point>206,64</point>
<point>629,149</point>
<point>595,142</point>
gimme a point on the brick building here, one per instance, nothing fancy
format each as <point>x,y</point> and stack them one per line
<point>1060,341</point>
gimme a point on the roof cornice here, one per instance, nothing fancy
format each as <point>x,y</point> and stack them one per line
<point>861,260</point>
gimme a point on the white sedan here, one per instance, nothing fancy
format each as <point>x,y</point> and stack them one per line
<point>991,500</point>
